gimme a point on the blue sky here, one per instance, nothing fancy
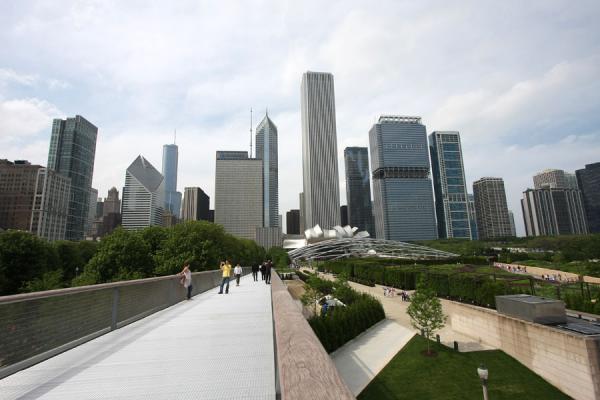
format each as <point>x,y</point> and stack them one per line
<point>519,80</point>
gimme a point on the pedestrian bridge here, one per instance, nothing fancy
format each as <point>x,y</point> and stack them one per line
<point>142,340</point>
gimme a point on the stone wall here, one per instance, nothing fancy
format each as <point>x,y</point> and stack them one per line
<point>569,361</point>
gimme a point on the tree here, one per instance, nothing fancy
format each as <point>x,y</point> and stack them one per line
<point>311,297</point>
<point>425,311</point>
<point>279,257</point>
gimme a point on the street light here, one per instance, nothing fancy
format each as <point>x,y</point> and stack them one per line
<point>483,375</point>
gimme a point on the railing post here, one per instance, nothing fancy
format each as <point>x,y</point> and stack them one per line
<point>115,309</point>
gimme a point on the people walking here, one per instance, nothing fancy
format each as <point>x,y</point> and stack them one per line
<point>186,279</point>
<point>263,267</point>
<point>237,271</point>
<point>226,268</point>
<point>268,267</point>
<point>255,269</point>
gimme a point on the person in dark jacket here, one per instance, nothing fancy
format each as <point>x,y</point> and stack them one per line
<point>255,272</point>
<point>268,267</point>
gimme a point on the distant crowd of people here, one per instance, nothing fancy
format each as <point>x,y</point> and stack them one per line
<point>226,271</point>
<point>391,292</point>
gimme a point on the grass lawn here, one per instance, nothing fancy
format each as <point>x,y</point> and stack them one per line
<point>453,375</point>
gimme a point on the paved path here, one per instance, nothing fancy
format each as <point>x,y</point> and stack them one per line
<point>212,347</point>
<point>361,359</point>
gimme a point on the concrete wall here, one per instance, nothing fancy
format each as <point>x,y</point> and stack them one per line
<point>568,361</point>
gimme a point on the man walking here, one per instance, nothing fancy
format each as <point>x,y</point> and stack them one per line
<point>268,266</point>
<point>262,267</point>
<point>255,272</point>
<point>237,271</point>
<point>226,268</point>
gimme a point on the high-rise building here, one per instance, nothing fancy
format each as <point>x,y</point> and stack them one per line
<point>239,193</point>
<point>513,227</point>
<point>143,195</point>
<point>266,150</point>
<point>169,171</point>
<point>195,204</point>
<point>472,217</point>
<point>402,192</point>
<point>17,191</point>
<point>358,189</point>
<point>451,200</point>
<point>72,153</point>
<point>292,222</point>
<point>554,179</point>
<point>550,211</point>
<point>319,151</point>
<point>491,208</point>
<point>211,216</point>
<point>588,181</point>
<point>344,215</point>
<point>50,205</point>
<point>112,204</point>
<point>302,216</point>
<point>91,219</point>
<point>268,237</point>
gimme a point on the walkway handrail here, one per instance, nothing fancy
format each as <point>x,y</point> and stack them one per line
<point>305,370</point>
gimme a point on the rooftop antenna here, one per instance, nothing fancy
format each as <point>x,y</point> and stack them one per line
<point>250,132</point>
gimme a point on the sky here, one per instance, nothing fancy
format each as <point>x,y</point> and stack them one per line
<point>519,80</point>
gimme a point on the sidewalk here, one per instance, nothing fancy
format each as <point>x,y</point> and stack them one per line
<point>361,359</point>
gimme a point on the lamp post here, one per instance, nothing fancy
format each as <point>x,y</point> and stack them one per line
<point>483,375</point>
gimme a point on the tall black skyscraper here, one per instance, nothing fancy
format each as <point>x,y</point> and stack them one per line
<point>358,189</point>
<point>588,180</point>
<point>72,153</point>
<point>293,222</point>
<point>344,215</point>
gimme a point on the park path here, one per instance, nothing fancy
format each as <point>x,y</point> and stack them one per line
<point>215,346</point>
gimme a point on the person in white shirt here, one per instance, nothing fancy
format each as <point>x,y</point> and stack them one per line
<point>186,279</point>
<point>237,271</point>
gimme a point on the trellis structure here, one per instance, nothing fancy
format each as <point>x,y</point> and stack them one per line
<point>334,249</point>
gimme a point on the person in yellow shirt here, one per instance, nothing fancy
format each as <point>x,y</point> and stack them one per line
<point>226,268</point>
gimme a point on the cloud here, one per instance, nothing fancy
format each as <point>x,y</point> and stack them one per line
<point>8,75</point>
<point>21,118</point>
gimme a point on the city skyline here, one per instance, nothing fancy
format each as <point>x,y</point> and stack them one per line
<point>131,92</point>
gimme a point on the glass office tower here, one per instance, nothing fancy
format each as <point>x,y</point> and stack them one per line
<point>266,150</point>
<point>358,189</point>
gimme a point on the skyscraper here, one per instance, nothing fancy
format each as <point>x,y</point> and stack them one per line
<point>513,227</point>
<point>238,193</point>
<point>51,205</point>
<point>402,192</point>
<point>195,204</point>
<point>358,189</point>
<point>17,191</point>
<point>491,208</point>
<point>472,217</point>
<point>292,224</point>
<point>169,171</point>
<point>302,215</point>
<point>143,195</point>
<point>112,204</point>
<point>554,179</point>
<point>72,153</point>
<point>266,150</point>
<point>91,218</point>
<point>319,151</point>
<point>344,215</point>
<point>553,211</point>
<point>451,200</point>
<point>588,180</point>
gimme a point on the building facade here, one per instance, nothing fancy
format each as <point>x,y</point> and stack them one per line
<point>112,203</point>
<point>588,180</point>
<point>266,150</point>
<point>292,222</point>
<point>472,217</point>
<point>90,223</point>
<point>72,153</point>
<point>239,193</point>
<point>513,227</point>
<point>170,162</point>
<point>302,216</point>
<point>344,215</point>
<point>17,190</point>
<point>195,204</point>
<point>143,196</point>
<point>550,212</point>
<point>358,189</point>
<point>50,205</point>
<point>403,197</point>
<point>554,179</point>
<point>451,199</point>
<point>268,237</point>
<point>319,151</point>
<point>491,208</point>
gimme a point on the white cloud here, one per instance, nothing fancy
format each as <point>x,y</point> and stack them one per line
<point>8,75</point>
<point>20,118</point>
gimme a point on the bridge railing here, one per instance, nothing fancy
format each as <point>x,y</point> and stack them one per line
<point>36,326</point>
<point>304,369</point>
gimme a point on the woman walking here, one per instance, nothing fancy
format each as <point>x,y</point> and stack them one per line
<point>186,279</point>
<point>237,271</point>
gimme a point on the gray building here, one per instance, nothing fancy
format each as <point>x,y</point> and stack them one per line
<point>239,193</point>
<point>554,179</point>
<point>451,199</point>
<point>195,204</point>
<point>513,227</point>
<point>319,151</point>
<point>112,204</point>
<point>50,205</point>
<point>472,217</point>
<point>550,212</point>
<point>358,189</point>
<point>491,209</point>
<point>170,162</point>
<point>588,180</point>
<point>17,190</point>
<point>266,150</point>
<point>143,195</point>
<point>292,222</point>
<point>72,153</point>
<point>268,237</point>
<point>90,230</point>
<point>402,192</point>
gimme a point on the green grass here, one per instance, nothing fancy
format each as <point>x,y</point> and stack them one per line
<point>453,375</point>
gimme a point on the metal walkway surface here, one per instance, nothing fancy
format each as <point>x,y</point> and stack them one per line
<point>212,347</point>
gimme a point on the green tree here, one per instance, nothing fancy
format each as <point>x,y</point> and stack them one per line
<point>425,311</point>
<point>155,236</point>
<point>311,297</point>
<point>279,257</point>
<point>70,259</point>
